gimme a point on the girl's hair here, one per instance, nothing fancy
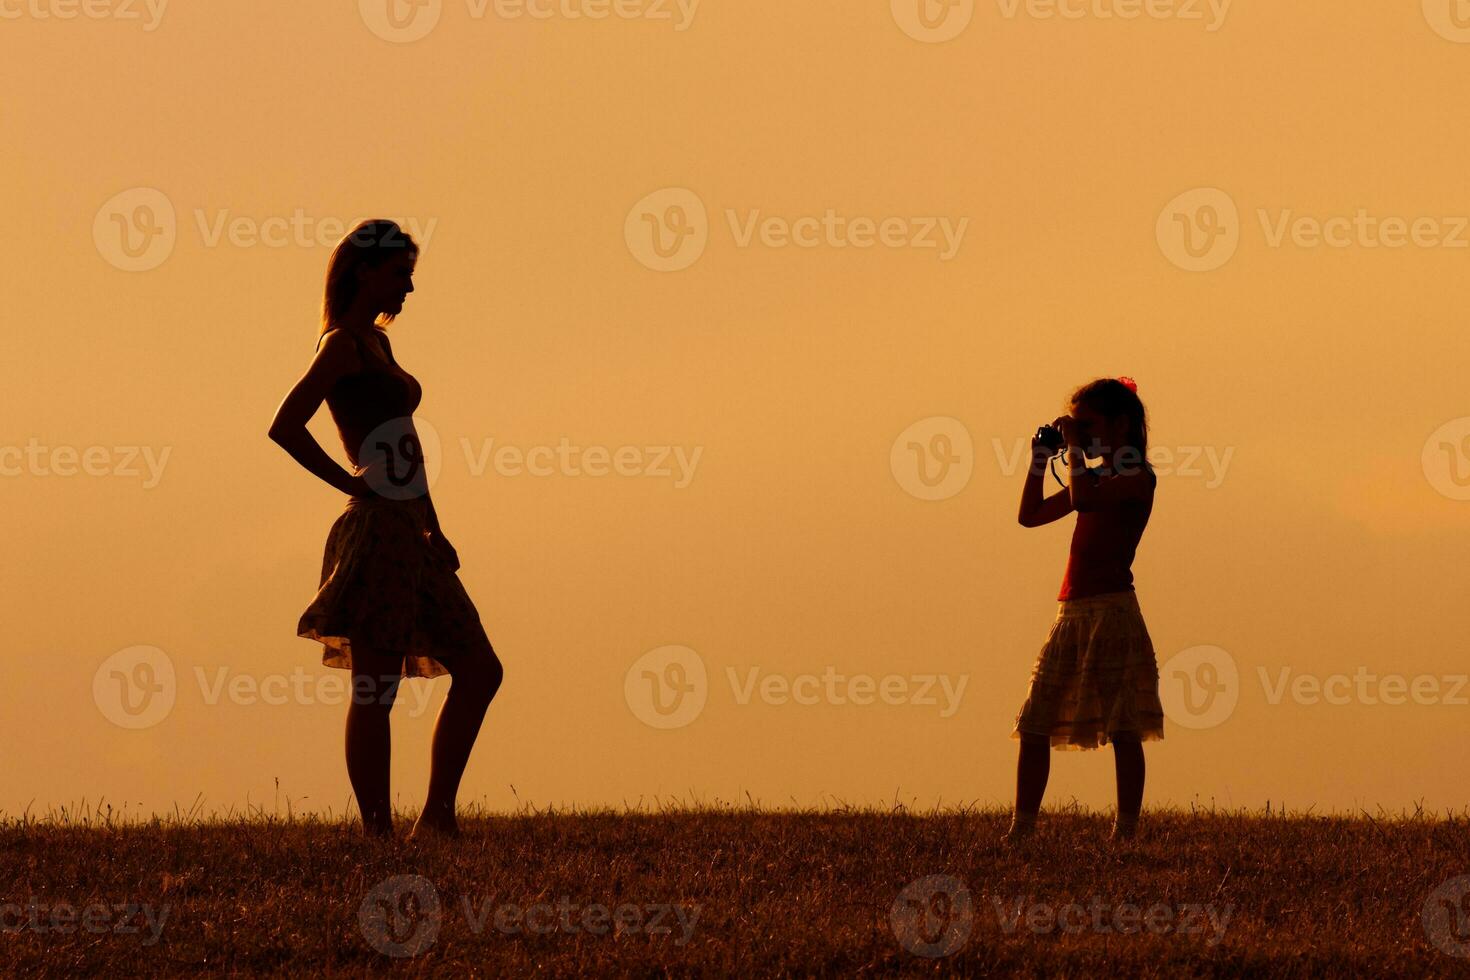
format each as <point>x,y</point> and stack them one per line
<point>371,243</point>
<point>1110,398</point>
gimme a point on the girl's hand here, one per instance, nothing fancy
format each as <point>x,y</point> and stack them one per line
<point>441,547</point>
<point>1068,428</point>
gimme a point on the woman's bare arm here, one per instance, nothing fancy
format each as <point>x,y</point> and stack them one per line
<point>335,358</point>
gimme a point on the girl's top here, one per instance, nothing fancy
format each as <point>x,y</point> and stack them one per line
<point>365,400</point>
<point>1103,544</point>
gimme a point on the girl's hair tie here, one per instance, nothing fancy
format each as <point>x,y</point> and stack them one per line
<point>1130,384</point>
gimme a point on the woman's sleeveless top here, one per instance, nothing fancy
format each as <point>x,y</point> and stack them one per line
<point>367,399</point>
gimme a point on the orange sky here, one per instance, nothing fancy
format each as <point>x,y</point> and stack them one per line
<point>878,229</point>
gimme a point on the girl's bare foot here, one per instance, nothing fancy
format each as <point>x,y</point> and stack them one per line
<point>435,822</point>
<point>377,825</point>
<point>1125,827</point>
<point>1022,826</point>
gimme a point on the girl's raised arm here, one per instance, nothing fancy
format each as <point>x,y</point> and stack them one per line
<point>1036,511</point>
<point>1090,490</point>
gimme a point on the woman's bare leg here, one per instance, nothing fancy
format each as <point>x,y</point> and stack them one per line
<point>474,679</point>
<point>375,678</point>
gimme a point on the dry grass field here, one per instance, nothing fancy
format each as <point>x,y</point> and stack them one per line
<point>725,890</point>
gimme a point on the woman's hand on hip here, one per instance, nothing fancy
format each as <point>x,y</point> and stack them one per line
<point>441,547</point>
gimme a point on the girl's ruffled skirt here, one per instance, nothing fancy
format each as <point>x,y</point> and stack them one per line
<point>1096,676</point>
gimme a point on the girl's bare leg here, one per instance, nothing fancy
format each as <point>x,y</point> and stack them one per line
<point>474,679</point>
<point>1033,767</point>
<point>375,678</point>
<point>1128,763</point>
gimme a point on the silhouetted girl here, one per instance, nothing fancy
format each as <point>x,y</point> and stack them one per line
<point>1096,679</point>
<point>389,605</point>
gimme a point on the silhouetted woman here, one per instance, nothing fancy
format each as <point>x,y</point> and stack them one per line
<point>1096,679</point>
<point>389,605</point>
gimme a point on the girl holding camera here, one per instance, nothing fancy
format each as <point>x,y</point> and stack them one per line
<point>1096,679</point>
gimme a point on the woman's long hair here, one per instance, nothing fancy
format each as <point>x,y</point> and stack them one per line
<point>1111,398</point>
<point>371,243</point>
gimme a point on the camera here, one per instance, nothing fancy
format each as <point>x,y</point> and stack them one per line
<point>1050,437</point>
